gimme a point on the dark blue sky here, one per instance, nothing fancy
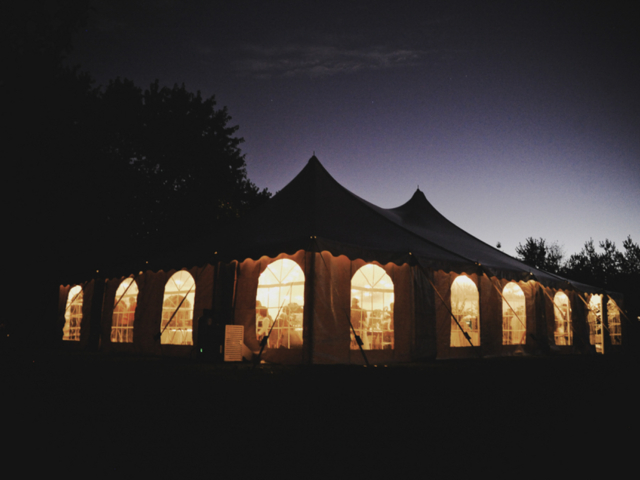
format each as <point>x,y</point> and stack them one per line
<point>515,121</point>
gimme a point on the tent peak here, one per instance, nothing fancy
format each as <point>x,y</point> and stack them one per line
<point>418,196</point>
<point>313,159</point>
<point>314,165</point>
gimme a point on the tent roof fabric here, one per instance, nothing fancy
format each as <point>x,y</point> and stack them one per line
<point>315,213</point>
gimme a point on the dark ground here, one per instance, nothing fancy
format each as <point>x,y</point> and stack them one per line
<point>108,416</point>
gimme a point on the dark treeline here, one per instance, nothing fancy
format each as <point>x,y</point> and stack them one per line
<point>146,172</point>
<point>114,175</point>
<point>605,267</point>
<point>108,178</point>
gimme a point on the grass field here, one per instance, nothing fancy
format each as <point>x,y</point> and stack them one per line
<point>116,415</point>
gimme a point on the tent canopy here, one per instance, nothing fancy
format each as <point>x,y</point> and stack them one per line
<point>314,212</point>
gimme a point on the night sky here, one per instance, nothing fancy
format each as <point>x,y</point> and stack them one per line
<point>514,121</point>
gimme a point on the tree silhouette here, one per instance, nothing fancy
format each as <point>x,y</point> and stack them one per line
<point>104,179</point>
<point>606,267</point>
<point>117,175</point>
<point>175,164</point>
<point>540,254</point>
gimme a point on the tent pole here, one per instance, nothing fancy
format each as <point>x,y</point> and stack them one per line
<point>311,252</point>
<point>95,314</point>
<point>235,287</point>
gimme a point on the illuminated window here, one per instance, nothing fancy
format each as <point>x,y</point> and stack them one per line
<point>372,302</point>
<point>177,309</point>
<point>465,306</point>
<point>124,310</point>
<point>563,333</point>
<point>73,315</point>
<point>514,330</point>
<point>613,317</point>
<point>280,296</point>
<point>594,319</point>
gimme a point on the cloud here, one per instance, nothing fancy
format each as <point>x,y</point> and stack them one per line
<point>316,61</point>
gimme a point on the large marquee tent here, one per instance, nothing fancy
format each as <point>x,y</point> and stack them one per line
<point>319,275</point>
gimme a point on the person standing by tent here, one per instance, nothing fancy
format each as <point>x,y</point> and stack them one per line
<point>263,322</point>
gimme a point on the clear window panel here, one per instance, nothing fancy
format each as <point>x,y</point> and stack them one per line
<point>563,333</point>
<point>372,312</point>
<point>514,321</point>
<point>465,306</point>
<point>613,317</point>
<point>73,315</point>
<point>280,305</point>
<point>594,319</point>
<point>124,310</point>
<point>177,309</point>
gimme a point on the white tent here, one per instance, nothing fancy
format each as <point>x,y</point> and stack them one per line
<point>319,275</point>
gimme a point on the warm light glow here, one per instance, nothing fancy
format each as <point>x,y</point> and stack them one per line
<point>177,309</point>
<point>563,333</point>
<point>281,281</point>
<point>124,311</point>
<point>594,318</point>
<point>514,322</point>
<point>613,321</point>
<point>465,306</point>
<point>73,314</point>
<point>372,308</point>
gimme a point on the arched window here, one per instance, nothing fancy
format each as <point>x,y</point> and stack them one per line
<point>124,310</point>
<point>613,317</point>
<point>73,314</point>
<point>465,306</point>
<point>280,296</point>
<point>177,309</point>
<point>563,333</point>
<point>514,320</point>
<point>594,318</point>
<point>372,301</point>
